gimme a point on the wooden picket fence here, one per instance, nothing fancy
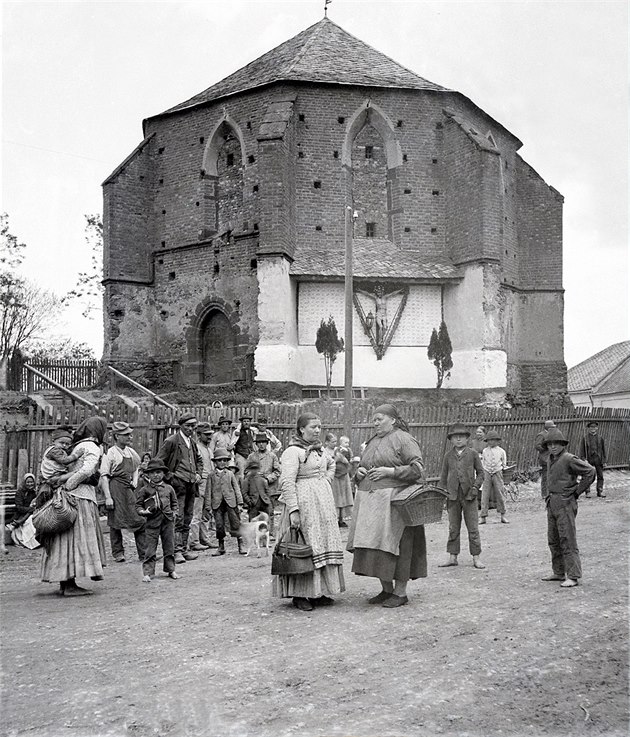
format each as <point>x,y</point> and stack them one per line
<point>24,446</point>
<point>80,374</point>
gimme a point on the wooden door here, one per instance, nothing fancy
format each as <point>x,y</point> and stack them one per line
<point>218,350</point>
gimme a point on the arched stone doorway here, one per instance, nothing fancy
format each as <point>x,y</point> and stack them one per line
<point>218,349</point>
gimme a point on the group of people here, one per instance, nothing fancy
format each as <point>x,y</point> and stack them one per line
<point>202,476</point>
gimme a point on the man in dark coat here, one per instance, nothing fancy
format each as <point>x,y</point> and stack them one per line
<point>180,455</point>
<point>562,493</point>
<point>593,450</point>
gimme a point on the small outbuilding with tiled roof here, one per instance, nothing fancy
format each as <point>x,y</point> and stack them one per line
<point>225,230</point>
<point>603,380</point>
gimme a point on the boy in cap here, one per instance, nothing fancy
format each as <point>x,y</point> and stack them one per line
<point>462,476</point>
<point>493,461</point>
<point>225,499</point>
<point>119,478</point>
<point>256,491</point>
<point>180,455</point>
<point>593,450</point>
<point>562,492</point>
<point>157,503</point>
<point>269,471</point>
<point>274,443</point>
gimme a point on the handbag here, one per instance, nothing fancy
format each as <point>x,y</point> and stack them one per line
<point>56,515</point>
<point>292,557</point>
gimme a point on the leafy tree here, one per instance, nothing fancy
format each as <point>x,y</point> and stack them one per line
<point>59,349</point>
<point>88,290</point>
<point>26,310</point>
<point>330,344</point>
<point>440,352</point>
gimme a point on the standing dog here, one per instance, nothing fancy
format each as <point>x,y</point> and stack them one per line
<point>256,533</point>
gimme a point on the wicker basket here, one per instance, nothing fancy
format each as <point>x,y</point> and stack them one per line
<point>508,473</point>
<point>420,504</point>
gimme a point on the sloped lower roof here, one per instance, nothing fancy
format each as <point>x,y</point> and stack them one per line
<point>618,381</point>
<point>589,374</point>
<point>372,259</point>
<point>323,53</point>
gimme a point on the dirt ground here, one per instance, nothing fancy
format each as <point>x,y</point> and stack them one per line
<point>489,653</point>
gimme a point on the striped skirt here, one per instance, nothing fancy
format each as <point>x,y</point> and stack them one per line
<point>78,552</point>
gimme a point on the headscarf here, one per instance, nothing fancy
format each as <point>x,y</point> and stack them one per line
<point>299,441</point>
<point>93,427</point>
<point>391,411</point>
<point>28,476</point>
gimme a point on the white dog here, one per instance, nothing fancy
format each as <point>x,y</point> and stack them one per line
<point>256,532</point>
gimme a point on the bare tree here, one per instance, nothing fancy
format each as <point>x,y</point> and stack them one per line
<point>26,310</point>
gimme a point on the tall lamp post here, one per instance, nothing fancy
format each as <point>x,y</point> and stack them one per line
<point>350,216</point>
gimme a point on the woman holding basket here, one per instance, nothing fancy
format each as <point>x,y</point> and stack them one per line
<point>383,546</point>
<point>309,507</point>
<point>79,551</point>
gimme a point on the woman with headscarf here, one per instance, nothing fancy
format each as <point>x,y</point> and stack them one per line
<point>79,552</point>
<point>22,530</point>
<point>306,492</point>
<point>383,546</point>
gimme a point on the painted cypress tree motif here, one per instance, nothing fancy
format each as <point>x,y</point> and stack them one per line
<point>440,352</point>
<point>330,345</point>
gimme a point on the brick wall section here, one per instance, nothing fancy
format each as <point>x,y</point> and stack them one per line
<point>539,215</point>
<point>449,195</point>
<point>128,223</point>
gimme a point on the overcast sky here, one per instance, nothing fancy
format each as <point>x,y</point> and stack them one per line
<point>79,77</point>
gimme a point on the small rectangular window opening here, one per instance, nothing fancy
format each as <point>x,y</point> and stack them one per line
<point>370,230</point>
<point>229,160</point>
<point>369,152</point>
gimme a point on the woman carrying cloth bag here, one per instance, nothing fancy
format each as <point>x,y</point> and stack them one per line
<point>383,546</point>
<point>309,506</point>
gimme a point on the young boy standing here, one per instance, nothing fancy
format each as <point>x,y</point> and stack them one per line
<point>256,491</point>
<point>563,491</point>
<point>157,503</point>
<point>225,499</point>
<point>462,476</point>
<point>493,460</point>
<point>269,471</point>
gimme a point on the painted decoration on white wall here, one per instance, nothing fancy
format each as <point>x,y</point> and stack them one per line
<point>422,312</point>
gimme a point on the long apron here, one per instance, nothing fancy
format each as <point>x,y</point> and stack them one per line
<point>123,516</point>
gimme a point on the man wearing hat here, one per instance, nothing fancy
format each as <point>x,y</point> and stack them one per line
<point>119,478</point>
<point>561,497</point>
<point>225,499</point>
<point>180,455</point>
<point>223,437</point>
<point>543,455</point>
<point>493,460</point>
<point>462,476</point>
<point>199,538</point>
<point>269,471</point>
<point>593,450</point>
<point>244,444</point>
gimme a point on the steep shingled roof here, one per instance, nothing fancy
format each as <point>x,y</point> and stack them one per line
<point>617,382</point>
<point>373,259</point>
<point>323,53</point>
<point>589,374</point>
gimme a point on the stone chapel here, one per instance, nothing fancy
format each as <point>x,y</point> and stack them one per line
<point>224,231</point>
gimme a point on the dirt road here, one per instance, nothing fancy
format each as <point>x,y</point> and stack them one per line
<point>493,652</point>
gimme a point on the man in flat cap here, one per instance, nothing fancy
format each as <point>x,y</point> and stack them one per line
<point>119,478</point>
<point>199,538</point>
<point>244,444</point>
<point>593,450</point>
<point>543,455</point>
<point>179,453</point>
